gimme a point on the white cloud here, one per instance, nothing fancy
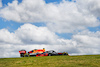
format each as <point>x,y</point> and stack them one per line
<point>88,42</point>
<point>31,34</point>
<point>0,3</point>
<point>7,37</point>
<point>61,18</point>
<point>90,7</point>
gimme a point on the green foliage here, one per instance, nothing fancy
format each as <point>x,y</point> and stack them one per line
<point>52,61</point>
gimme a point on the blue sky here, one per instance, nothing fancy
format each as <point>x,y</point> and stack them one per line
<point>10,25</point>
<point>5,2</point>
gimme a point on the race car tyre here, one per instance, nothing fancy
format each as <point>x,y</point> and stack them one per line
<point>49,54</point>
<point>21,55</point>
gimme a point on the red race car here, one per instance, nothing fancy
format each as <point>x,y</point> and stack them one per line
<point>40,52</point>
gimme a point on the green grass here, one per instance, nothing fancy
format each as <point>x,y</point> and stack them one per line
<point>52,61</point>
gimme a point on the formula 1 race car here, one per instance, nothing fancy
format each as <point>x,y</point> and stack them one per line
<point>40,52</point>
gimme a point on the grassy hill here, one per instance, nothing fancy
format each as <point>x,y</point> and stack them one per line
<point>52,61</point>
